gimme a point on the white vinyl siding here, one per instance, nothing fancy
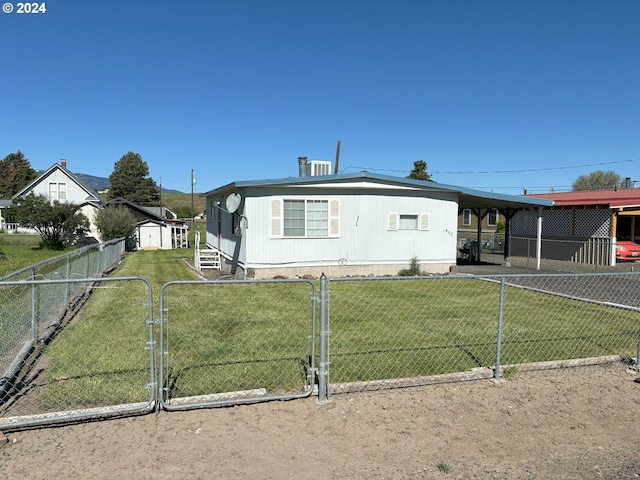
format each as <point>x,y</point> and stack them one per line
<point>358,230</point>
<point>305,218</point>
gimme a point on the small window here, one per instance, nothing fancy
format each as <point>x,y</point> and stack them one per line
<point>466,217</point>
<point>408,221</point>
<point>492,218</point>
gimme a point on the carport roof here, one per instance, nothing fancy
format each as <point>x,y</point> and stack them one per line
<point>625,197</point>
<point>467,197</point>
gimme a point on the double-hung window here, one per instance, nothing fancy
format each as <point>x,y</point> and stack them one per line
<point>492,218</point>
<point>466,217</point>
<point>57,191</point>
<point>305,218</point>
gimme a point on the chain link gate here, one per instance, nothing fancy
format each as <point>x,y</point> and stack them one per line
<point>75,349</point>
<point>231,342</point>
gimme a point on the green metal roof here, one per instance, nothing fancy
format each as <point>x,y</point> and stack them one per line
<point>467,197</point>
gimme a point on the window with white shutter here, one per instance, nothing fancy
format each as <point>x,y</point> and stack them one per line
<point>305,218</point>
<point>408,221</point>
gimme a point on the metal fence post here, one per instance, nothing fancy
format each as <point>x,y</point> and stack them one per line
<point>67,276</point>
<point>496,373</point>
<point>638,355</point>
<point>34,306</point>
<point>323,393</point>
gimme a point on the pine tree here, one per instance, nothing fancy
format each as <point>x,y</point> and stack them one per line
<point>419,171</point>
<point>15,174</point>
<point>130,179</point>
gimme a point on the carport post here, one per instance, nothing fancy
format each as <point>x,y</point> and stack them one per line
<point>539,239</point>
<point>507,237</point>
<point>480,217</point>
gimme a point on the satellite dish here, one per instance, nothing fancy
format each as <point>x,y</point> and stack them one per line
<point>233,202</point>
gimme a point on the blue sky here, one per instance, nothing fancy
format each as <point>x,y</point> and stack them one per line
<point>493,94</point>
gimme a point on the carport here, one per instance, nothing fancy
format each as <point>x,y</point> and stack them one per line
<point>481,203</point>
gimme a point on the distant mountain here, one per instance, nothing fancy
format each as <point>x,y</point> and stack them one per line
<point>102,183</point>
<point>97,183</point>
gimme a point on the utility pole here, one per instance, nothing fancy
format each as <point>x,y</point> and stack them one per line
<point>193,182</point>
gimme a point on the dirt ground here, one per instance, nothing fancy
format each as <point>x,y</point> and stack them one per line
<point>565,424</point>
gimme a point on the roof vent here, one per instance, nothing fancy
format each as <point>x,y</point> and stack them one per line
<point>302,166</point>
<point>319,167</point>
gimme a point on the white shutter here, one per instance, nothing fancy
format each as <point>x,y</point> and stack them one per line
<point>276,218</point>
<point>394,220</point>
<point>423,221</point>
<point>334,218</point>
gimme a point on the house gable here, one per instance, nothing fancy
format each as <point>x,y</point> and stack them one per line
<point>58,183</point>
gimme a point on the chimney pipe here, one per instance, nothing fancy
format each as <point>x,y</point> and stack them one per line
<point>63,162</point>
<point>627,182</point>
<point>302,166</point>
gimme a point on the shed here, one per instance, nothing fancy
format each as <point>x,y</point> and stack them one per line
<point>153,230</point>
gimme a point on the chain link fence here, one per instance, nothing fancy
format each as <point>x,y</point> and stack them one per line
<point>91,358</point>
<point>230,342</point>
<point>24,307</point>
<point>396,332</point>
<point>226,342</point>
<point>86,262</point>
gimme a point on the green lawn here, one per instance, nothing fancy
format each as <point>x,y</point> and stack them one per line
<point>388,329</point>
<point>20,251</point>
<point>230,336</point>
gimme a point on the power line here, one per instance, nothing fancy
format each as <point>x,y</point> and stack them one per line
<point>524,170</point>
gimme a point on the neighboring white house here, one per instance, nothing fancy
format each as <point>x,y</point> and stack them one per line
<point>58,183</point>
<point>344,224</point>
<point>154,230</point>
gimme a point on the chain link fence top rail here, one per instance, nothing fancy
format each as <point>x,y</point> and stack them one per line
<point>403,331</point>
<point>236,341</point>
<point>86,262</point>
<point>94,358</point>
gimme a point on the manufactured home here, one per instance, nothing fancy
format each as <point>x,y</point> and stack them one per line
<point>344,224</point>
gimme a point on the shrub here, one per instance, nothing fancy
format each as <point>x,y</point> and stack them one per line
<point>115,222</point>
<point>413,270</point>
